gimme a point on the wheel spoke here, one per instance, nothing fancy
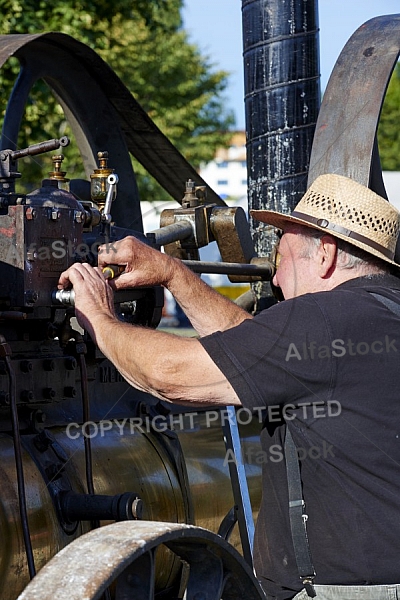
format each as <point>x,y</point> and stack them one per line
<point>137,581</point>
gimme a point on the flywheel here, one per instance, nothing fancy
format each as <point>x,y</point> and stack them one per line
<point>125,553</point>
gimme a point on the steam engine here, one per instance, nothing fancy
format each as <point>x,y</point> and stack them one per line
<point>79,447</point>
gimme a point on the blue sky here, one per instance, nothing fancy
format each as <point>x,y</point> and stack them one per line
<point>216,26</point>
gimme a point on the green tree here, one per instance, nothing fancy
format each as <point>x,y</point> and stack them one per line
<point>389,125</point>
<point>143,41</point>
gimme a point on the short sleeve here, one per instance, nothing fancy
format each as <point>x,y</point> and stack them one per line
<point>283,355</point>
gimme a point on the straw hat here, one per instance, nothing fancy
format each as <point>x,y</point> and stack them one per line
<point>347,210</point>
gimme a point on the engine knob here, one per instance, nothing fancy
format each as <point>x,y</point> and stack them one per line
<point>66,297</point>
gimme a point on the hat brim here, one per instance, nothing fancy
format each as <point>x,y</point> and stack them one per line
<point>280,221</point>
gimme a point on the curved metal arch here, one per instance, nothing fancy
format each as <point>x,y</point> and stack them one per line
<point>125,552</point>
<point>345,136</point>
<point>102,113</point>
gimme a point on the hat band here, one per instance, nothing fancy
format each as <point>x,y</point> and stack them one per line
<point>325,224</point>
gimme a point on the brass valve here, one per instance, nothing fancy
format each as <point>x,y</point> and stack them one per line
<point>57,174</point>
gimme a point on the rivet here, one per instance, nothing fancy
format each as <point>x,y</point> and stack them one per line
<point>322,223</point>
<point>49,393</point>
<point>26,366</point>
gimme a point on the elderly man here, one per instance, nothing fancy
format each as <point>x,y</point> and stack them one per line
<point>326,360</point>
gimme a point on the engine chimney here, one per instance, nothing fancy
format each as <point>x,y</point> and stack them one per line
<point>282,98</point>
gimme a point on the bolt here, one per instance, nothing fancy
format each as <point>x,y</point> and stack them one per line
<point>49,393</point>
<point>49,364</point>
<point>79,216</point>
<point>30,213</point>
<point>27,396</point>
<point>39,416</point>
<point>26,366</point>
<point>69,392</point>
<point>31,255</point>
<point>70,363</point>
<point>31,297</point>
<point>4,398</point>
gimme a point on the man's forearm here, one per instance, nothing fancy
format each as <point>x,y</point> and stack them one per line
<point>207,310</point>
<point>172,368</point>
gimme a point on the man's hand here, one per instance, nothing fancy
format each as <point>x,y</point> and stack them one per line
<point>207,310</point>
<point>93,295</point>
<point>144,266</point>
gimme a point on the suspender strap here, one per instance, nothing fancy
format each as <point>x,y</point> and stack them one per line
<point>390,304</point>
<point>298,517</point>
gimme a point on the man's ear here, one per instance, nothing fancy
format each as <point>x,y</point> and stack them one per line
<point>326,256</point>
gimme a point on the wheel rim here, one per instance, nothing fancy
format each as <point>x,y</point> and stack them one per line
<point>125,552</point>
<point>344,140</point>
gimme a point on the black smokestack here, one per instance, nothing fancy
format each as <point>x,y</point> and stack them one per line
<point>282,98</point>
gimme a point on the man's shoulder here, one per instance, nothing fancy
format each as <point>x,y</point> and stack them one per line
<point>367,282</point>
<point>347,298</point>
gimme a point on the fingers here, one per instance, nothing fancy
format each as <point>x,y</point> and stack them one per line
<point>78,273</point>
<point>120,252</point>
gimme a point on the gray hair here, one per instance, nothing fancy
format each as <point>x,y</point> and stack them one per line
<point>348,256</point>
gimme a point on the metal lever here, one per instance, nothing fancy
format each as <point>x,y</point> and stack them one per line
<point>36,148</point>
<point>112,181</point>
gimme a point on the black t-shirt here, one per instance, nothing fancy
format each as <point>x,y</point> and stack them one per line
<point>327,365</point>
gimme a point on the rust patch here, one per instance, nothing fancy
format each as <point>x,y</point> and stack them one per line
<point>7,232</point>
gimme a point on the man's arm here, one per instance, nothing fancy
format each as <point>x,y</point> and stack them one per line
<point>172,368</point>
<point>207,310</point>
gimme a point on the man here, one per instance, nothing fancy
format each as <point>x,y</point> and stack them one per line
<point>325,361</point>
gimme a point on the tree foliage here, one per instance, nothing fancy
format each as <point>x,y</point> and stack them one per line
<point>143,41</point>
<point>389,125</point>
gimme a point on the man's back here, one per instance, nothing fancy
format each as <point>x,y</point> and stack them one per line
<point>328,366</point>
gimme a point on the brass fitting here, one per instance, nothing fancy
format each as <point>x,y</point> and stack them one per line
<point>57,174</point>
<point>99,186</point>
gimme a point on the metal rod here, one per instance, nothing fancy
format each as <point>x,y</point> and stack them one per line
<point>240,488</point>
<point>222,268</point>
<point>170,233</point>
<point>40,148</point>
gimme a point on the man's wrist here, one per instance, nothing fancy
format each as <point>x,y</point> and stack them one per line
<point>100,325</point>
